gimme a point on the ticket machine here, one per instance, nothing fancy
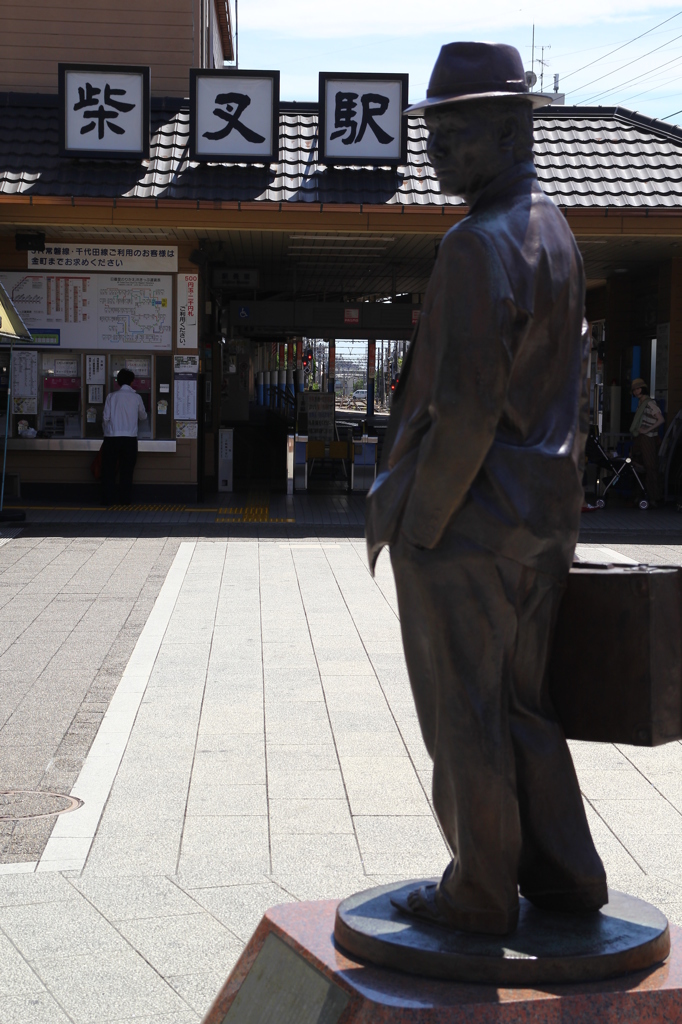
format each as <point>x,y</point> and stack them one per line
<point>61,400</point>
<point>142,368</point>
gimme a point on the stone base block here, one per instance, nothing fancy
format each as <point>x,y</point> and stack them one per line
<point>292,972</point>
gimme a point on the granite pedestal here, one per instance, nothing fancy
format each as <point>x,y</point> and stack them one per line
<point>293,972</point>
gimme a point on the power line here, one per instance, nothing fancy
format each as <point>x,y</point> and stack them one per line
<point>621,47</point>
<point>562,54</point>
<point>600,78</point>
<point>659,85</point>
<point>629,81</point>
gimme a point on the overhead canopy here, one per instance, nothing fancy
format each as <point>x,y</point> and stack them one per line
<point>12,327</point>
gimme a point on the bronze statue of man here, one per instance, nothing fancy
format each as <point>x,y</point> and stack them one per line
<point>479,498</point>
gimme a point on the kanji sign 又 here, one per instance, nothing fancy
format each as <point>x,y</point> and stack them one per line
<point>362,120</point>
<point>234,115</point>
<point>104,110</point>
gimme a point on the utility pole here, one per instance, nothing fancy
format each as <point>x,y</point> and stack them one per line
<point>542,66</point>
<point>532,50</point>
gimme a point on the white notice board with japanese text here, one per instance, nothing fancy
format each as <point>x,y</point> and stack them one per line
<point>187,295</point>
<point>24,382</point>
<point>97,311</point>
<point>185,399</point>
<point>25,374</point>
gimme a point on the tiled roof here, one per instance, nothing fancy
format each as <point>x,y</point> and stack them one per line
<point>586,156</point>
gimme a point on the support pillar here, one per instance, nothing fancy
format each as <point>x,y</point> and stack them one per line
<point>371,373</point>
<point>331,376</point>
<point>281,376</point>
<point>290,372</point>
<point>300,376</point>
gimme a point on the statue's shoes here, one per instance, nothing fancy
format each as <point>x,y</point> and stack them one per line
<point>422,903</point>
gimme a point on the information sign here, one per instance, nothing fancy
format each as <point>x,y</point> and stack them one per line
<point>319,408</point>
<point>187,295</point>
<point>95,369</point>
<point>70,256</point>
<point>362,120</point>
<point>25,374</point>
<point>185,399</point>
<point>97,311</point>
<point>104,111</point>
<point>234,115</point>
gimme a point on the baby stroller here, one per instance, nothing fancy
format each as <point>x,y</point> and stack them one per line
<point>616,469</point>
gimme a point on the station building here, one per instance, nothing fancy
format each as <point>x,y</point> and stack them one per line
<point>271,255</point>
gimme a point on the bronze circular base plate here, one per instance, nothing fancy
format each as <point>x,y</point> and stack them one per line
<point>546,948</point>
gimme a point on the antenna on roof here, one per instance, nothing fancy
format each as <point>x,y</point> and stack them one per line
<point>543,64</point>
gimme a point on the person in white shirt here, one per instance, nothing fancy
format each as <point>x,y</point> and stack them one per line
<point>123,410</point>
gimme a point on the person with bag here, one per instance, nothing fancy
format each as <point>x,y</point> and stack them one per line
<point>123,411</point>
<point>644,429</point>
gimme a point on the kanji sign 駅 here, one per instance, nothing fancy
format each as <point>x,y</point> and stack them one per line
<point>104,111</point>
<point>234,116</point>
<point>362,120</point>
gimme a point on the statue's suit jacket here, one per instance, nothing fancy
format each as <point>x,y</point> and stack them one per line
<point>488,427</point>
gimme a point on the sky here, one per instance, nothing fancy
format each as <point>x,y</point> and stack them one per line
<point>302,37</point>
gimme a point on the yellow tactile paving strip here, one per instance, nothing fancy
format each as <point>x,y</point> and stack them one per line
<point>254,509</point>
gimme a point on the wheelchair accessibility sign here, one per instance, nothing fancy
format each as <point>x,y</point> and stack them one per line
<point>244,312</point>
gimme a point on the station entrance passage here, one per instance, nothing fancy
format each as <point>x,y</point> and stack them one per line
<point>308,337</point>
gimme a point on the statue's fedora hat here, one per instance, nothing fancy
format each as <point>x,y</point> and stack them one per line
<point>477,71</point>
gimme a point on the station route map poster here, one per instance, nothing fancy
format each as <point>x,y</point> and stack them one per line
<point>97,311</point>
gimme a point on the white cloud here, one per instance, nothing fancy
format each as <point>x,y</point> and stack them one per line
<point>320,19</point>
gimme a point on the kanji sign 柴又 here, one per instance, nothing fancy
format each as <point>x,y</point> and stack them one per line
<point>361,119</point>
<point>234,115</point>
<point>104,110</point>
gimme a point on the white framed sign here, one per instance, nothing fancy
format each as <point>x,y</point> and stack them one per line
<point>95,370</point>
<point>185,399</point>
<point>122,258</point>
<point>234,115</point>
<point>25,374</point>
<point>96,311</point>
<point>187,297</point>
<point>104,111</point>
<point>362,119</point>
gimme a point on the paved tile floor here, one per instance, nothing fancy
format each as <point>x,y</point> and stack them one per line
<point>261,746</point>
<point>71,611</point>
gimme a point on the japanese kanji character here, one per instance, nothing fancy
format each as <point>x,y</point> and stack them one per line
<point>236,103</point>
<point>345,117</point>
<point>101,116</point>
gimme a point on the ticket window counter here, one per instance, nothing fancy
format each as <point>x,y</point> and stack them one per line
<point>60,402</point>
<point>142,368</point>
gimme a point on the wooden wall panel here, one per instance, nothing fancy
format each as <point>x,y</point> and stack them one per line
<point>35,36</point>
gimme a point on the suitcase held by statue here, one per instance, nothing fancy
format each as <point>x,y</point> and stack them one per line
<point>615,670</point>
